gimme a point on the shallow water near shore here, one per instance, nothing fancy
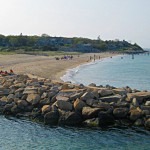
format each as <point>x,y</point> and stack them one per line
<point>24,135</point>
<point>118,71</point>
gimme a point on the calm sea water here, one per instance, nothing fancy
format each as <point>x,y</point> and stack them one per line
<point>16,134</point>
<point>114,71</point>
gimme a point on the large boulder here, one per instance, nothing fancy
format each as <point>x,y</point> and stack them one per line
<point>75,96</point>
<point>68,92</point>
<point>4,92</point>
<point>45,109</point>
<point>22,104</point>
<point>64,105</point>
<point>33,99</point>
<point>135,102</point>
<point>45,101</point>
<point>135,114</point>
<point>139,122</point>
<point>30,90</point>
<point>90,102</point>
<point>120,112</point>
<point>105,119</point>
<point>7,108</point>
<point>19,85</point>
<point>110,99</point>
<point>62,98</point>
<point>89,113</point>
<point>79,104</point>
<point>145,107</point>
<point>10,97</point>
<point>102,105</point>
<point>51,118</point>
<point>91,122</point>
<point>15,110</point>
<point>86,96</point>
<point>105,92</point>
<point>18,94</point>
<point>120,91</point>
<point>70,119</point>
<point>147,103</point>
<point>147,123</point>
<point>140,96</point>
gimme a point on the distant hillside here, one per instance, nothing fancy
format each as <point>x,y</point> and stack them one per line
<point>48,43</point>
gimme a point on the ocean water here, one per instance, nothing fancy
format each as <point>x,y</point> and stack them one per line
<point>118,71</point>
<point>16,134</point>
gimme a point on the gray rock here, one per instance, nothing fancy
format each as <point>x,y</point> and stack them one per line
<point>92,85</point>
<point>105,92</point>
<point>140,96</point>
<point>70,119</point>
<point>22,104</point>
<point>90,102</point>
<point>30,90</point>
<point>145,108</point>
<point>4,92</point>
<point>3,103</point>
<point>105,119</point>
<point>86,96</point>
<point>51,118</point>
<point>102,105</point>
<point>10,97</point>
<point>15,109</point>
<point>63,98</point>
<point>46,109</point>
<point>89,113</point>
<point>147,123</point>
<point>79,104</point>
<point>120,112</point>
<point>139,122</point>
<point>18,94</point>
<point>44,95</point>
<point>120,91</point>
<point>145,112</point>
<point>110,99</point>
<point>135,114</point>
<point>33,99</point>
<point>64,105</point>
<point>135,102</point>
<point>45,101</point>
<point>91,122</point>
<point>7,108</point>
<point>75,96</point>
<point>147,103</point>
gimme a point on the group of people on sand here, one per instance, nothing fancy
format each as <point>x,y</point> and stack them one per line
<point>66,57</point>
<point>5,73</point>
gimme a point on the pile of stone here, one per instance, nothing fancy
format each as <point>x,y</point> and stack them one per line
<point>59,103</point>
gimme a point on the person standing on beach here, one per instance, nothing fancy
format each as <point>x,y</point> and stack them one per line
<point>94,57</point>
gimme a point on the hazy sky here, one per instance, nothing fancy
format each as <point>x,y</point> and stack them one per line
<point>111,19</point>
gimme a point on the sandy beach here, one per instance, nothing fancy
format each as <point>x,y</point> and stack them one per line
<point>45,66</point>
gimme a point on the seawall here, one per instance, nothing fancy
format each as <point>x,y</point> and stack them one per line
<point>60,103</point>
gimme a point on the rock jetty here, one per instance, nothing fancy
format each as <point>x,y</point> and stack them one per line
<point>59,103</point>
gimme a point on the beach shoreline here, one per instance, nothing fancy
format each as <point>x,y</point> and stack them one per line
<point>82,61</point>
<point>47,66</point>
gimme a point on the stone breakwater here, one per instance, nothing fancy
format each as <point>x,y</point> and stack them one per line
<point>56,103</point>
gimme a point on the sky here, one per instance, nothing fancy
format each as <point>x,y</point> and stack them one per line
<point>110,19</point>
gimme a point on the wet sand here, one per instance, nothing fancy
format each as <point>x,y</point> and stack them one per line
<point>45,66</point>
